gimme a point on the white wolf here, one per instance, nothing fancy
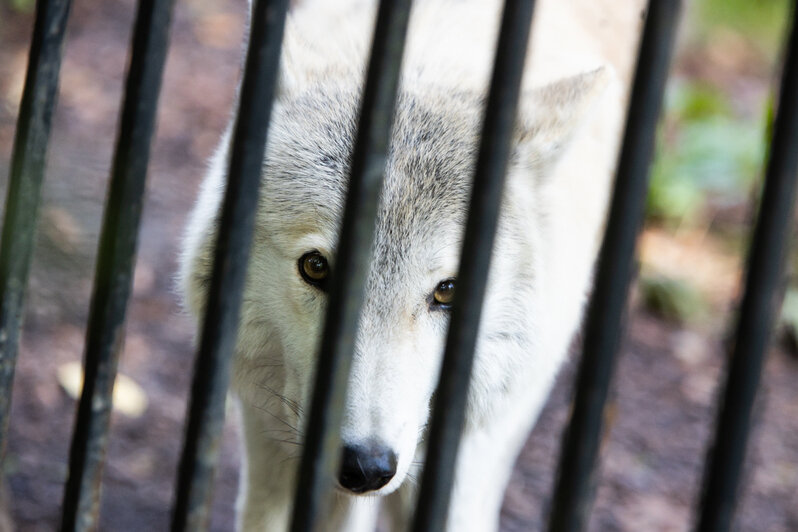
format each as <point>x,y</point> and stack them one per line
<point>565,148</point>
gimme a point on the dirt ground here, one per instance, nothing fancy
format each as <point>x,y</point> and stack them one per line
<point>665,386</point>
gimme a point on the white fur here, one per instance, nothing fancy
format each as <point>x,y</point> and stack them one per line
<point>558,183</point>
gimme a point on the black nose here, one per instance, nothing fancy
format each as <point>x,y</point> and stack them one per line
<point>366,467</point>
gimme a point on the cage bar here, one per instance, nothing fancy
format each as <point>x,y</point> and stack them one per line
<point>576,475</point>
<point>24,188</point>
<point>760,305</point>
<point>205,417</point>
<point>448,414</point>
<point>115,261</point>
<point>321,454</point>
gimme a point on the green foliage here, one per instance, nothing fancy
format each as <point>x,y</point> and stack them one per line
<point>22,6</point>
<point>673,299</point>
<point>761,22</point>
<point>703,149</point>
<point>707,146</point>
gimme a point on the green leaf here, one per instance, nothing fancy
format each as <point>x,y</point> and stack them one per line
<point>673,299</point>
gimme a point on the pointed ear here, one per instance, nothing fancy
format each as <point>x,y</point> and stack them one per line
<point>549,116</point>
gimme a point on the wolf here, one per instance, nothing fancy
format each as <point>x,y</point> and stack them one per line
<point>559,177</point>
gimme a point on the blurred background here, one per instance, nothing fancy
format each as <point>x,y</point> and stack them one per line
<point>705,179</point>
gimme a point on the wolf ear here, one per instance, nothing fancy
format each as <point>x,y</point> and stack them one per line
<point>549,116</point>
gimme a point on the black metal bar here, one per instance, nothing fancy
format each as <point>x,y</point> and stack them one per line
<point>321,454</point>
<point>220,324</point>
<point>27,173</point>
<point>760,305</point>
<point>448,415</point>
<point>576,478</point>
<point>115,261</point>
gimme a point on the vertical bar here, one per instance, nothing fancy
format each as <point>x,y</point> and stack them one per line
<point>760,305</point>
<point>220,325</point>
<point>576,476</point>
<point>115,260</point>
<point>27,173</point>
<point>448,415</point>
<point>322,441</point>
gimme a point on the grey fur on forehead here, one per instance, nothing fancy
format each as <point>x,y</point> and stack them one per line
<point>429,168</point>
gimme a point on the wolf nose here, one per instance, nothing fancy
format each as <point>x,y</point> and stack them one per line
<point>366,467</point>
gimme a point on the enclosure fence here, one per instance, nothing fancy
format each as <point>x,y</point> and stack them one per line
<point>118,241</point>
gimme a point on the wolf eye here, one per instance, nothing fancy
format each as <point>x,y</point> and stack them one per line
<point>314,269</point>
<point>444,294</point>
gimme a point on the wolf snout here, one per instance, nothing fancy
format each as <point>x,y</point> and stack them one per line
<point>366,467</point>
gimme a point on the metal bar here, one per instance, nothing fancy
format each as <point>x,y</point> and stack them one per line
<point>448,415</point>
<point>321,454</point>
<point>27,173</point>
<point>576,478</point>
<point>760,305</point>
<point>115,261</point>
<point>220,325</point>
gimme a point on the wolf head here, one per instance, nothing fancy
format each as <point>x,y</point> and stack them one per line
<point>412,277</point>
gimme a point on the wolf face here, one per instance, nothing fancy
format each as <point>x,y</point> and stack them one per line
<point>412,276</point>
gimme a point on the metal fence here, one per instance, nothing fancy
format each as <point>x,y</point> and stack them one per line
<point>117,249</point>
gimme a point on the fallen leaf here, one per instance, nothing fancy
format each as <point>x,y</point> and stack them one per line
<point>129,398</point>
